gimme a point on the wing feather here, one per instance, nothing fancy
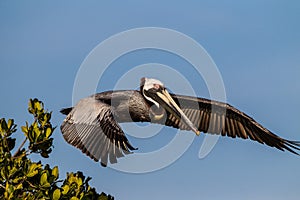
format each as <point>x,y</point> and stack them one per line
<point>90,126</point>
<point>220,118</point>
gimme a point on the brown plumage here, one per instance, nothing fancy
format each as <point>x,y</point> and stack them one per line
<point>92,125</point>
<point>227,121</point>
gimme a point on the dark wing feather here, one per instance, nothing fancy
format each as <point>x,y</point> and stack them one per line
<point>90,126</point>
<point>220,118</point>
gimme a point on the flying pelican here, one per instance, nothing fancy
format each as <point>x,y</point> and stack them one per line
<point>92,124</point>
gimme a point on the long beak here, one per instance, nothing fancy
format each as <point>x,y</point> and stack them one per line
<point>170,105</point>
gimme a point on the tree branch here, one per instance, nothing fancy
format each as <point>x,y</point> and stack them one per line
<point>19,149</point>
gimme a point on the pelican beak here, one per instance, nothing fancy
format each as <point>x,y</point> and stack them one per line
<point>167,102</point>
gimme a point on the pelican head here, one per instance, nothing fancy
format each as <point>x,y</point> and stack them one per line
<point>154,92</point>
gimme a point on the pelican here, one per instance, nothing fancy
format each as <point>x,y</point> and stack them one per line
<point>92,124</point>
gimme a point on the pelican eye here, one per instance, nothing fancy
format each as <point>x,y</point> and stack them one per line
<point>156,86</point>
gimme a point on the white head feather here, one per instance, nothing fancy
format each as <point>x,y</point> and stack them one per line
<point>151,83</point>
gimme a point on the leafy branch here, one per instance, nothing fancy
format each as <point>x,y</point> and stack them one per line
<point>21,178</point>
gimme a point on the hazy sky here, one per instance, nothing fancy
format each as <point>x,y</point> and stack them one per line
<point>255,45</point>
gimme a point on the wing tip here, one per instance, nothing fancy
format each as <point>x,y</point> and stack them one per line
<point>292,146</point>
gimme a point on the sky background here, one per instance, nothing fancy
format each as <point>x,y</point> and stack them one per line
<point>255,44</point>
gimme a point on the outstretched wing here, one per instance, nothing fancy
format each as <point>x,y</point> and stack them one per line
<point>90,126</point>
<point>220,118</point>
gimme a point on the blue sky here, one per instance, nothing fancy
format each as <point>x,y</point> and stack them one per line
<point>255,45</point>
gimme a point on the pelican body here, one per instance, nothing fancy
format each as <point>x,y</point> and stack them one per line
<point>92,124</point>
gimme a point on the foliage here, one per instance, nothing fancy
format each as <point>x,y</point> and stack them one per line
<point>21,178</point>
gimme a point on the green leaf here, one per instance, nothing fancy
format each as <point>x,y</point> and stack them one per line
<point>11,143</point>
<point>33,170</point>
<point>4,173</point>
<point>12,171</point>
<point>66,189</point>
<point>3,126</point>
<point>103,196</point>
<point>31,106</point>
<point>43,181</point>
<point>45,154</point>
<point>38,105</point>
<point>48,132</point>
<point>31,136</point>
<point>20,186</point>
<point>10,123</point>
<point>55,172</point>
<point>36,132</point>
<point>47,117</point>
<point>24,129</point>
<point>56,194</point>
